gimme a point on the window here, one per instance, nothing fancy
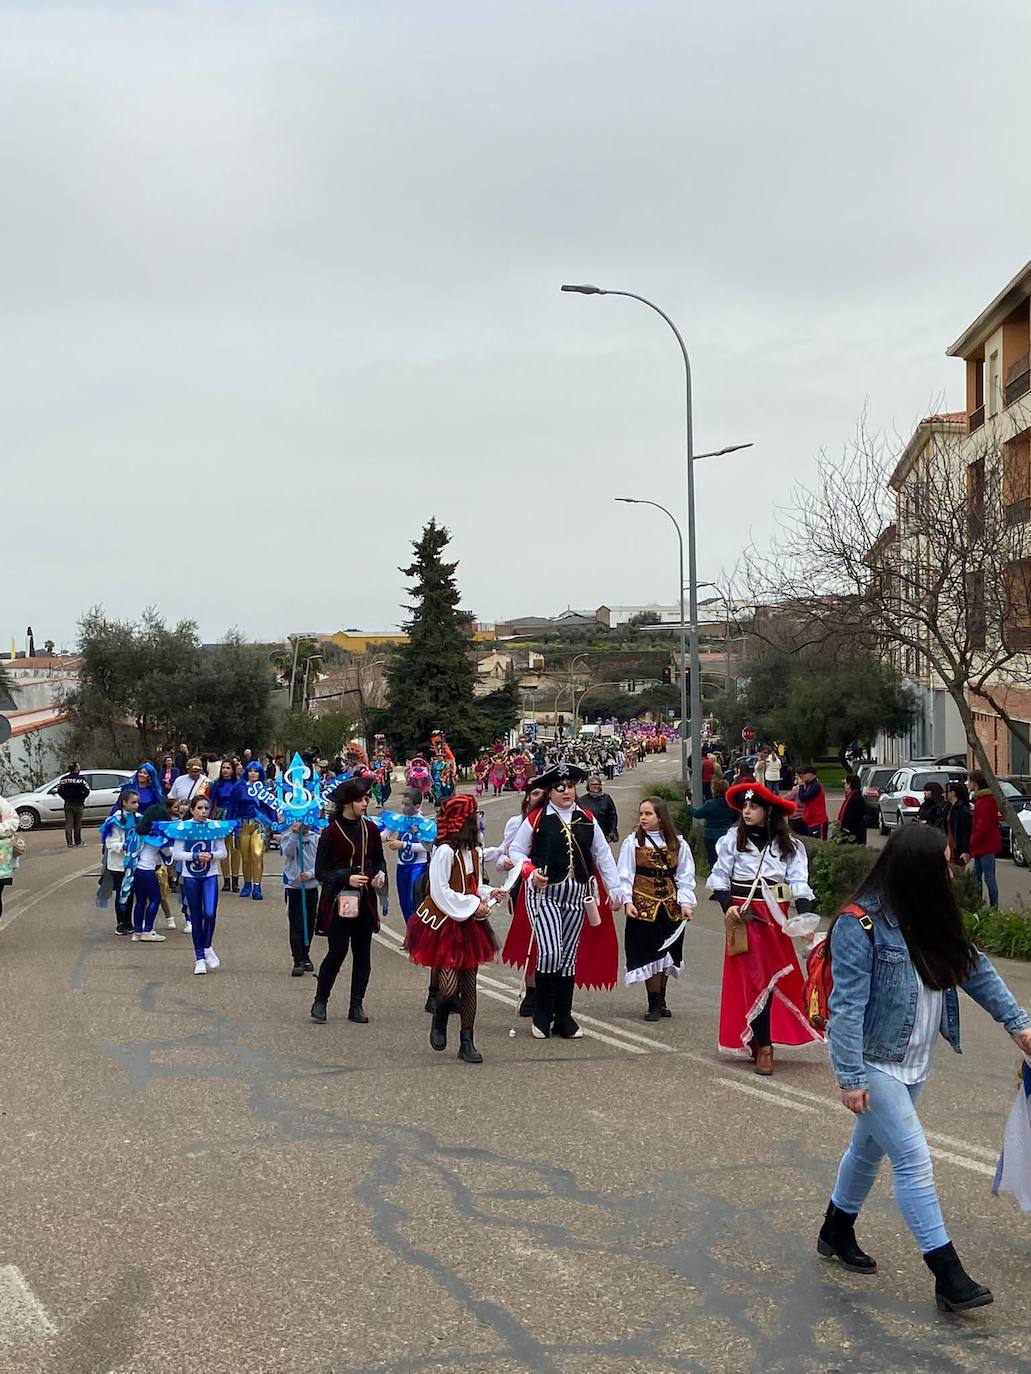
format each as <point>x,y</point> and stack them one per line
<point>975,499</point>
<point>100,781</point>
<point>993,383</point>
<point>1016,621</point>
<point>1016,479</point>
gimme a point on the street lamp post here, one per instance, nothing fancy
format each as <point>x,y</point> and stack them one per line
<point>692,573</point>
<point>685,772</point>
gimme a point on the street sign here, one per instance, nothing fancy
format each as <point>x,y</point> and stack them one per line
<point>748,734</point>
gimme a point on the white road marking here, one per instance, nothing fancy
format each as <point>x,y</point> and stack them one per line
<point>22,1316</point>
<point>14,911</point>
<point>753,1091</point>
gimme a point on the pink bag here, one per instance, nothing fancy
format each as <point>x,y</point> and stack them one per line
<point>347,906</point>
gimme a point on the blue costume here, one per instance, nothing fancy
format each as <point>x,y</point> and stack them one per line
<point>253,817</point>
<point>150,795</point>
<point>200,881</point>
<point>413,859</point>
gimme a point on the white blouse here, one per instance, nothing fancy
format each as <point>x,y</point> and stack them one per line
<point>919,1052</point>
<point>627,866</point>
<point>741,866</point>
<point>520,846</point>
<point>458,905</point>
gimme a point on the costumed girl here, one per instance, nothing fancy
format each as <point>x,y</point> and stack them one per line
<point>148,787</point>
<point>198,843</point>
<point>516,952</point>
<point>559,849</point>
<point>382,766</point>
<point>349,866</point>
<point>119,847</point>
<point>519,771</point>
<point>657,869</point>
<point>760,867</point>
<point>408,832</point>
<point>450,933</point>
<point>252,816</point>
<point>146,889</point>
<point>221,794</point>
<point>498,775</point>
<point>442,773</point>
<point>481,769</point>
<point>417,775</point>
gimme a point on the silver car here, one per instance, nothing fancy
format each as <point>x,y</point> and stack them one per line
<point>902,795</point>
<point>45,807</point>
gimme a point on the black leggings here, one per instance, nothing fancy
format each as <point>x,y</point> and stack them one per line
<point>354,934</point>
<point>761,1025</point>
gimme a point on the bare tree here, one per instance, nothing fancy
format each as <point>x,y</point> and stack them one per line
<point>926,558</point>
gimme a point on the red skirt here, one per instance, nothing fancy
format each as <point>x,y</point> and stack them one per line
<point>768,969</point>
<point>597,957</point>
<point>457,944</point>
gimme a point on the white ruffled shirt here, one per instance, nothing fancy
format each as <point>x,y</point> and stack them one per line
<point>627,866</point>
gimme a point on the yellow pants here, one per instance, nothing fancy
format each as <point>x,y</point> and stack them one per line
<point>251,842</point>
<point>233,861</point>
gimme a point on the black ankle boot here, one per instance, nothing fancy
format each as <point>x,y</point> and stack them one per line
<point>318,1011</point>
<point>357,1013</point>
<point>654,1012</point>
<point>837,1240</point>
<point>563,1023</point>
<point>431,1001</point>
<point>664,1010</point>
<point>954,1289</point>
<point>438,1027</point>
<point>467,1050</point>
<point>543,1005</point>
<point>235,884</point>
<point>529,1003</point>
<point>225,885</point>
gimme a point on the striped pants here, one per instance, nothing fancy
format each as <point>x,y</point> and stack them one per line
<point>557,918</point>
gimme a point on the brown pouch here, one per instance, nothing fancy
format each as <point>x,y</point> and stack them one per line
<point>737,939</point>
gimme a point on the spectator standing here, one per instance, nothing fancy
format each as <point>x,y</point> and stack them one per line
<point>716,817</point>
<point>73,789</point>
<point>602,808</point>
<point>181,758</point>
<point>760,766</point>
<point>985,837</point>
<point>813,801</point>
<point>773,772</point>
<point>708,773</point>
<point>167,773</point>
<point>932,808</point>
<point>958,823</point>
<point>194,783</point>
<point>852,815</point>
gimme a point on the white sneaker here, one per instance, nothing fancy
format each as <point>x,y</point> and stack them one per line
<point>170,923</point>
<point>135,936</point>
<point>188,928</point>
<point>211,958</point>
<point>200,966</point>
<point>153,937</point>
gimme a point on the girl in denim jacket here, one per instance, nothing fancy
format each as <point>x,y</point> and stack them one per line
<point>896,971</point>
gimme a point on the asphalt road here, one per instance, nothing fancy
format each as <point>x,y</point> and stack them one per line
<point>197,1178</point>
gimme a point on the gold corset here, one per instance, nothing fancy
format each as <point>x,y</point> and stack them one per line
<point>653,886</point>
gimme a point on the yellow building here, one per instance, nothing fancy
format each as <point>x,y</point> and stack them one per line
<point>360,642</point>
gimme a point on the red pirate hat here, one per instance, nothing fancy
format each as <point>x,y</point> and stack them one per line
<point>454,814</point>
<point>755,791</point>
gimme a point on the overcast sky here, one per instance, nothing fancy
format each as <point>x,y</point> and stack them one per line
<point>280,282</point>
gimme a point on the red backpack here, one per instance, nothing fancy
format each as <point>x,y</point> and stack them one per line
<point>819,980</point>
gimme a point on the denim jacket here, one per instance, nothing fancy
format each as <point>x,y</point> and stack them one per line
<point>874,997</point>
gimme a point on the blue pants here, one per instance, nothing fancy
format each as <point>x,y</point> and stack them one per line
<point>407,877</point>
<point>201,897</point>
<point>984,868</point>
<point>890,1126</point>
<point>146,900</point>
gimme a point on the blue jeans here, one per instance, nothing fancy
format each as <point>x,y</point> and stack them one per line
<point>984,868</point>
<point>890,1126</point>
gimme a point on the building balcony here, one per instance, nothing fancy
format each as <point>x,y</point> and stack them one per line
<point>976,419</point>
<point>1018,512</point>
<point>1018,380</point>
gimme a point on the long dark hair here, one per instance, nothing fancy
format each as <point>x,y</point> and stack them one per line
<point>777,829</point>
<point>466,838</point>
<point>670,835</point>
<point>911,879</point>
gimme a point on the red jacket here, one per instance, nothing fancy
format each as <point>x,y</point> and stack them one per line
<point>813,801</point>
<point>985,838</point>
<point>708,767</point>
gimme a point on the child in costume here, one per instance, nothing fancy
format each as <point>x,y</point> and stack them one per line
<point>252,817</point>
<point>450,933</point>
<point>408,833</point>
<point>146,888</point>
<point>119,847</point>
<point>198,844</point>
<point>221,794</point>
<point>481,769</point>
<point>299,846</point>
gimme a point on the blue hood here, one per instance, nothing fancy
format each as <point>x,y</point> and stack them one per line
<point>247,768</point>
<point>152,773</point>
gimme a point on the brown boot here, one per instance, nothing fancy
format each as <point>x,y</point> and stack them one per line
<point>764,1060</point>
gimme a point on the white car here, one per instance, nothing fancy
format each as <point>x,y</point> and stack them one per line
<point>903,793</point>
<point>45,807</point>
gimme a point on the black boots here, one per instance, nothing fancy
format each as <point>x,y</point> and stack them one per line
<point>837,1240</point>
<point>318,1011</point>
<point>357,1013</point>
<point>563,1023</point>
<point>431,997</point>
<point>225,885</point>
<point>235,884</point>
<point>663,1009</point>
<point>654,1012</point>
<point>438,1026</point>
<point>529,1002</point>
<point>543,1005</point>
<point>954,1289</point>
<point>467,1050</point>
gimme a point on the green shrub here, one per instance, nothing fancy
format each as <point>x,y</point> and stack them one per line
<point>835,871</point>
<point>691,829</point>
<point>1005,933</point>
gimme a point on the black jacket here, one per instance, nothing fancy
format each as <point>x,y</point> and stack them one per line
<point>853,817</point>
<point>73,789</point>
<point>603,809</point>
<point>960,823</point>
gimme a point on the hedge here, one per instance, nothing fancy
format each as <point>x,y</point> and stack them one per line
<point>836,870</point>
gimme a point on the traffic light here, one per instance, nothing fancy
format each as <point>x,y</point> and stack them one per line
<point>667,675</point>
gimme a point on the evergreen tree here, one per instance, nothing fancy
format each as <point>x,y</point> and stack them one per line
<point>431,678</point>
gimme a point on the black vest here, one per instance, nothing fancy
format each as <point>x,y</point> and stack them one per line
<point>557,848</point>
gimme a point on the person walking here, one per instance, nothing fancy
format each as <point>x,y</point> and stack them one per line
<point>932,808</point>
<point>450,933</point>
<point>350,868</point>
<point>813,801</point>
<point>73,789</point>
<point>199,844</point>
<point>985,838</point>
<point>119,847</point>
<point>896,971</point>
<point>602,808</point>
<point>852,812</point>
<point>299,847</point>
<point>221,795</point>
<point>657,869</point>
<point>716,817</point>
<point>760,867</point>
<point>252,815</point>
<point>146,889</point>
<point>193,783</point>
<point>959,823</point>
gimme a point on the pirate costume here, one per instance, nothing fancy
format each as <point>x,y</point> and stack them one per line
<point>446,934</point>
<point>659,879</point>
<point>761,1001</point>
<point>565,845</point>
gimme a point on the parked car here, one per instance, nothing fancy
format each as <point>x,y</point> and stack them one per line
<point>1021,781</point>
<point>872,778</point>
<point>903,793</point>
<point>1020,804</point>
<point>45,807</point>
